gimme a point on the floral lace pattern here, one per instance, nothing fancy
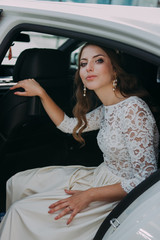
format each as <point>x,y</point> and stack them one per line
<point>128,138</point>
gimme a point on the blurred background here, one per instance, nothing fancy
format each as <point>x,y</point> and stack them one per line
<point>145,3</point>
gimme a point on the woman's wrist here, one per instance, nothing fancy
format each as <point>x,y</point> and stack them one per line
<point>109,193</point>
<point>42,93</point>
<point>92,194</point>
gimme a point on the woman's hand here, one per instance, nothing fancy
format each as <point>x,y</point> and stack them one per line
<point>30,86</point>
<point>78,201</point>
<point>33,88</point>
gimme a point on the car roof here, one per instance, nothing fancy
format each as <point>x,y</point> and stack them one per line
<point>130,15</point>
<point>138,26</point>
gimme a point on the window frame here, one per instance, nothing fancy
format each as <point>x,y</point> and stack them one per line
<point>77,37</point>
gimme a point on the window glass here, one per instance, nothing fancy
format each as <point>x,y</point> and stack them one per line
<point>37,40</point>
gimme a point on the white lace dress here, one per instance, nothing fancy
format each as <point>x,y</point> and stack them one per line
<point>128,138</point>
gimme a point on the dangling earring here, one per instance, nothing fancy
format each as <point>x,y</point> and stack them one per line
<point>84,91</point>
<point>114,85</point>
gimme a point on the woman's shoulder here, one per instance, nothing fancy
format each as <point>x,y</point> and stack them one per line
<point>135,106</point>
<point>136,102</point>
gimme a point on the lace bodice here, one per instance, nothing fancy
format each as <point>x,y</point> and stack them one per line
<point>128,138</point>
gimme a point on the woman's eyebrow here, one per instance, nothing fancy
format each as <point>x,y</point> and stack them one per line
<point>83,59</point>
<point>98,55</point>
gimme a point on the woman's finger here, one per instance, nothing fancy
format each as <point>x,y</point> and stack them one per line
<point>15,86</point>
<point>63,213</point>
<point>73,214</point>
<point>20,93</point>
<point>57,203</point>
<point>71,192</point>
<point>59,207</point>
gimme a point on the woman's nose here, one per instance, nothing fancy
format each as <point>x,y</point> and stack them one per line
<point>90,67</point>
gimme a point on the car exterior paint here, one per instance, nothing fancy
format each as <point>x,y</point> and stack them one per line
<point>136,26</point>
<point>141,219</point>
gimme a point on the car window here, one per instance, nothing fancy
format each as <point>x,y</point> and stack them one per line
<point>74,56</point>
<point>37,40</point>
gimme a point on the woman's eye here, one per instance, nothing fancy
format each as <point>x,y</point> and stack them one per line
<point>83,64</point>
<point>100,60</point>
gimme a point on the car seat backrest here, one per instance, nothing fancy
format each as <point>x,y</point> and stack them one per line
<point>41,64</point>
<point>50,68</point>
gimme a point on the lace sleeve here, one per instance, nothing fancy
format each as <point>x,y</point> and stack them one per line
<point>141,135</point>
<point>93,119</point>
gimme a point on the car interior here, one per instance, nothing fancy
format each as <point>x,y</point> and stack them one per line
<point>28,138</point>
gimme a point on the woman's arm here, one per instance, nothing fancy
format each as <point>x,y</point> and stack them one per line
<point>80,200</point>
<point>109,193</point>
<point>33,88</point>
<point>141,137</point>
<point>60,119</point>
<point>52,109</point>
<point>93,121</point>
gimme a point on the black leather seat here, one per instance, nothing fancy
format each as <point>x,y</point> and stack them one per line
<point>50,68</point>
<point>28,138</point>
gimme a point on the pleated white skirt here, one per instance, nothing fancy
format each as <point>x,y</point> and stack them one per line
<point>30,193</point>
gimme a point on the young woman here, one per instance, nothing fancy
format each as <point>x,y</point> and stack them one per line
<point>71,202</point>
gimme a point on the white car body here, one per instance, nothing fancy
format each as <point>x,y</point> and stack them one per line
<point>141,219</point>
<point>137,27</point>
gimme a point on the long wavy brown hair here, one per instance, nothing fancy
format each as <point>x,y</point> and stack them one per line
<point>127,84</point>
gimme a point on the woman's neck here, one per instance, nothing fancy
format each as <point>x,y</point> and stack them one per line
<point>110,97</point>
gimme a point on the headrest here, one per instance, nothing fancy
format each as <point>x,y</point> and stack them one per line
<point>40,64</point>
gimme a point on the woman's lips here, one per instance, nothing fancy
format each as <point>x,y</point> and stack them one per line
<point>91,77</point>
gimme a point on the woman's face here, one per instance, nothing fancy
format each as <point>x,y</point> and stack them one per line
<point>96,70</point>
